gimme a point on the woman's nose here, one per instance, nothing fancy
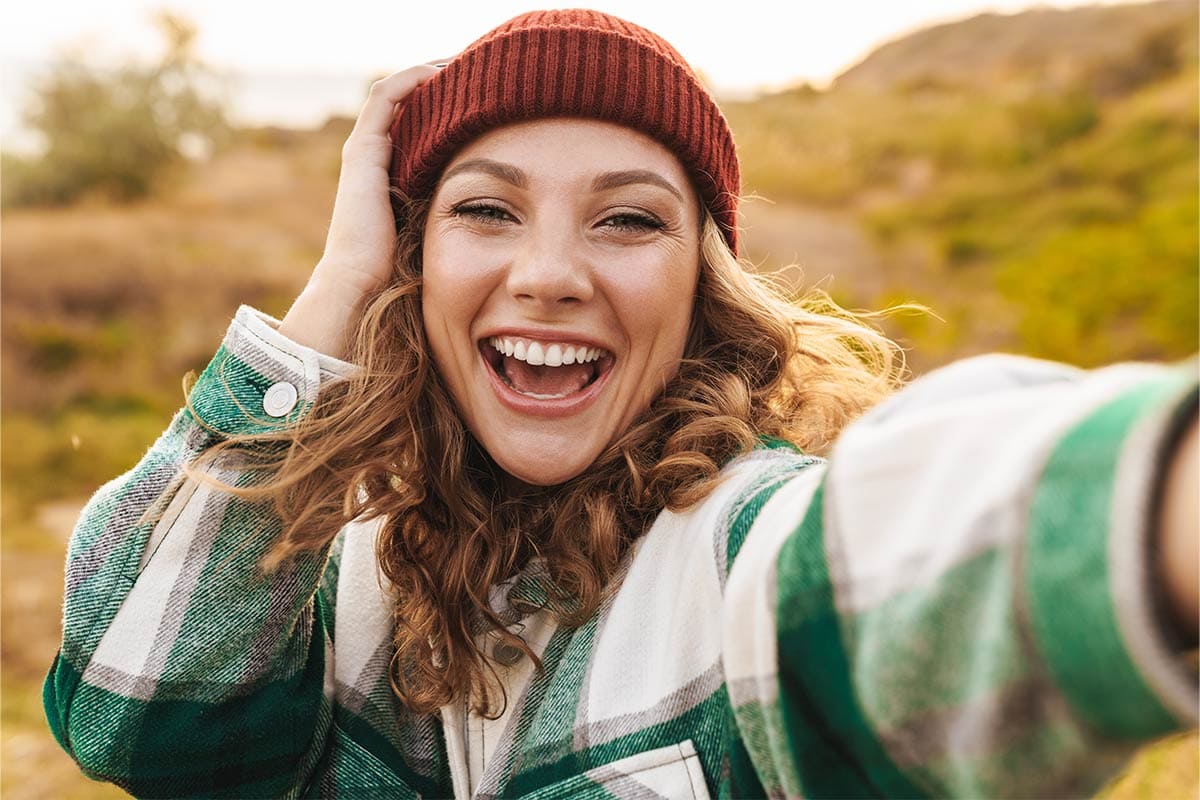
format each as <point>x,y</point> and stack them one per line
<point>550,270</point>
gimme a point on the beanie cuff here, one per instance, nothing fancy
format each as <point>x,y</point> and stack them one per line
<point>569,64</point>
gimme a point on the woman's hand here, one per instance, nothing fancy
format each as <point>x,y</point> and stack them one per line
<point>1179,539</point>
<point>362,235</point>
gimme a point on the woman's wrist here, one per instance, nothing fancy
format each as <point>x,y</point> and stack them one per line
<point>1178,567</point>
<point>323,315</point>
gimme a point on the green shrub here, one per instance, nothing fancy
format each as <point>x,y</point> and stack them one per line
<point>113,132</point>
<point>1049,121</point>
<point>1111,291</point>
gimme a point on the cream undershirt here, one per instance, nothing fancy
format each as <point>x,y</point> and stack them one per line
<point>472,740</point>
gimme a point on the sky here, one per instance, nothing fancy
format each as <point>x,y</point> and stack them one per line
<point>742,46</point>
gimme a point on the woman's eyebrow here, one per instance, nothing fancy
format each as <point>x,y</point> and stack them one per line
<point>611,180</point>
<point>505,172</point>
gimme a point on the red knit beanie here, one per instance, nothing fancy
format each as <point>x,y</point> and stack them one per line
<point>574,63</point>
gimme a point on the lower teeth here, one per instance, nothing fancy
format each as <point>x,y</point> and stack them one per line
<point>540,396</point>
<point>535,395</point>
<point>504,377</point>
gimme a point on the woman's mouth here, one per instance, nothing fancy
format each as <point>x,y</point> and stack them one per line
<point>545,370</point>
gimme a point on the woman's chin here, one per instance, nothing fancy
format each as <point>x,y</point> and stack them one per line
<point>541,468</point>
<point>541,477</point>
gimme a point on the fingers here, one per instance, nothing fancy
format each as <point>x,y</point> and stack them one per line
<point>361,239</point>
<point>377,111</point>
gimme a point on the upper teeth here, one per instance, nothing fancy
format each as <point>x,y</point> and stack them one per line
<point>552,354</point>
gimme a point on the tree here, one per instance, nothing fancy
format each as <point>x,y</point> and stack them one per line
<point>114,131</point>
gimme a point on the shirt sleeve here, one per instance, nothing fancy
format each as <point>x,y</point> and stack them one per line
<point>960,602</point>
<point>184,669</point>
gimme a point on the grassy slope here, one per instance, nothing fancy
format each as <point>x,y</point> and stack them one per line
<point>1057,219</point>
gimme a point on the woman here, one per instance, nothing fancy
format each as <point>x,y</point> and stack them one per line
<point>551,531</point>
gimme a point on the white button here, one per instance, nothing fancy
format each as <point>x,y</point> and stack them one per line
<point>280,399</point>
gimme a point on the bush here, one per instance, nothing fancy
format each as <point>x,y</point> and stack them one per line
<point>113,132</point>
<point>1048,121</point>
<point>1103,292</point>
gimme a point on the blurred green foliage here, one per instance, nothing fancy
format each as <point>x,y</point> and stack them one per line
<point>1110,289</point>
<point>114,132</point>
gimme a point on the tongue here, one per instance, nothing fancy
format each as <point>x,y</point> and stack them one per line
<point>547,381</point>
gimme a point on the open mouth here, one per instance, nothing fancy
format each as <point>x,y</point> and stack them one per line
<point>545,370</point>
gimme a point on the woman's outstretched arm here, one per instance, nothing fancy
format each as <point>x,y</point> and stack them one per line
<point>973,597</point>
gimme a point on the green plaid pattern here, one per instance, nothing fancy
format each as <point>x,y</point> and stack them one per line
<point>923,615</point>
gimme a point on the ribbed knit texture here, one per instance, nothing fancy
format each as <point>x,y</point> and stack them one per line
<point>573,63</point>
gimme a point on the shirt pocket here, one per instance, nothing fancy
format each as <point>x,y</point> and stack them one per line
<point>672,772</point>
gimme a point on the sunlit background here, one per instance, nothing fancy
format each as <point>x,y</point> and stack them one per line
<point>266,47</point>
<point>1028,174</point>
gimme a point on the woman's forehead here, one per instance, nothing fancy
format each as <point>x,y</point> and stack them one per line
<point>560,147</point>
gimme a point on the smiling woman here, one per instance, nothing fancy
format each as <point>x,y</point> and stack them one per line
<point>527,496</point>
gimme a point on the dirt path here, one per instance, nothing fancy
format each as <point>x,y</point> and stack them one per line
<point>810,246</point>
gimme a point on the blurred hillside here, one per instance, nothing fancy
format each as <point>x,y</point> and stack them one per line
<point>1030,178</point>
<point>1036,187</point>
<point>1109,49</point>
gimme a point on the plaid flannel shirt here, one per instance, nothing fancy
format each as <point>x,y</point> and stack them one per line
<point>956,604</point>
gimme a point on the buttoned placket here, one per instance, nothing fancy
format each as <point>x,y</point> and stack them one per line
<point>472,740</point>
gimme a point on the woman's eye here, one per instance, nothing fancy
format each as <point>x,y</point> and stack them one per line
<point>483,212</point>
<point>632,222</point>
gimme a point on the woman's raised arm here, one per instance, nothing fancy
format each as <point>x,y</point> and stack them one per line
<point>184,669</point>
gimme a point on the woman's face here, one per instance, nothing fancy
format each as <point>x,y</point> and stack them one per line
<point>560,265</point>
